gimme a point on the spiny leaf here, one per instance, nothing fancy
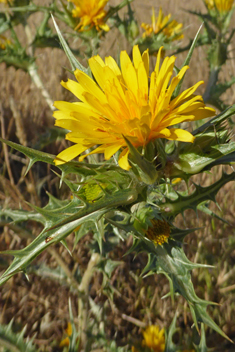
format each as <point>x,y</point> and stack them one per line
<point>201,194</point>
<point>186,62</point>
<point>202,346</point>
<point>204,207</point>
<point>170,345</point>
<point>56,230</point>
<point>75,64</point>
<point>118,198</point>
<point>45,239</point>
<point>36,155</point>
<point>173,261</point>
<point>15,342</point>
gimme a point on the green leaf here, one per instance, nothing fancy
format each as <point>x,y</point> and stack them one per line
<point>204,207</point>
<point>201,194</point>
<point>75,64</point>
<point>170,345</point>
<point>147,170</point>
<point>45,239</point>
<point>186,62</point>
<point>172,260</point>
<point>15,342</point>
<point>36,155</point>
<point>202,346</point>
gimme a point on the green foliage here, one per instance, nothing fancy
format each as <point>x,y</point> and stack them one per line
<point>11,341</point>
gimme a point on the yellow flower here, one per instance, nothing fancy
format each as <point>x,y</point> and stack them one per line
<point>176,180</point>
<point>171,28</point>
<point>222,6</point>
<point>65,342</point>
<point>154,338</point>
<point>159,232</point>
<point>122,103</point>
<point>4,42</point>
<point>91,13</point>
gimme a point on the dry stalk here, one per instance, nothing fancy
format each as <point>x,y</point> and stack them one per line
<point>33,72</point>
<point>65,268</point>
<point>5,150</point>
<point>134,321</point>
<point>38,83</point>
<point>20,131</point>
<point>227,289</point>
<point>83,301</point>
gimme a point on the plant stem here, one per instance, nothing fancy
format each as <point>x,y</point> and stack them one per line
<point>213,78</point>
<point>33,72</point>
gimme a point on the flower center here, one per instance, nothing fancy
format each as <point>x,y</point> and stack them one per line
<point>159,232</point>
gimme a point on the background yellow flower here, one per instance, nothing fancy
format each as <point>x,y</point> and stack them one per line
<point>154,338</point>
<point>171,28</point>
<point>91,13</point>
<point>221,5</point>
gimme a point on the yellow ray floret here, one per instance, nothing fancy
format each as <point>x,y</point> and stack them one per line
<point>91,14</point>
<point>6,1</point>
<point>126,102</point>
<point>223,6</point>
<point>169,27</point>
<point>153,339</point>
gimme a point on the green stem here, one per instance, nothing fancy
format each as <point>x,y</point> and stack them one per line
<point>115,9</point>
<point>213,78</point>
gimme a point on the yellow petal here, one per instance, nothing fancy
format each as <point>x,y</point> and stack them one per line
<point>90,86</point>
<point>145,58</point>
<point>112,149</point>
<point>123,159</point>
<point>99,149</point>
<point>70,153</point>
<point>111,63</point>
<point>128,73</point>
<point>178,134</point>
<point>137,59</point>
<point>74,88</point>
<point>97,70</point>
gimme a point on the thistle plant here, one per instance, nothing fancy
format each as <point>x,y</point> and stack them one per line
<point>163,30</point>
<point>218,35</point>
<point>129,148</point>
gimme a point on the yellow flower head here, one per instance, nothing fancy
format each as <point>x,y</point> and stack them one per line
<point>91,13</point>
<point>154,338</point>
<point>170,28</point>
<point>124,103</point>
<point>223,6</point>
<point>159,232</point>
